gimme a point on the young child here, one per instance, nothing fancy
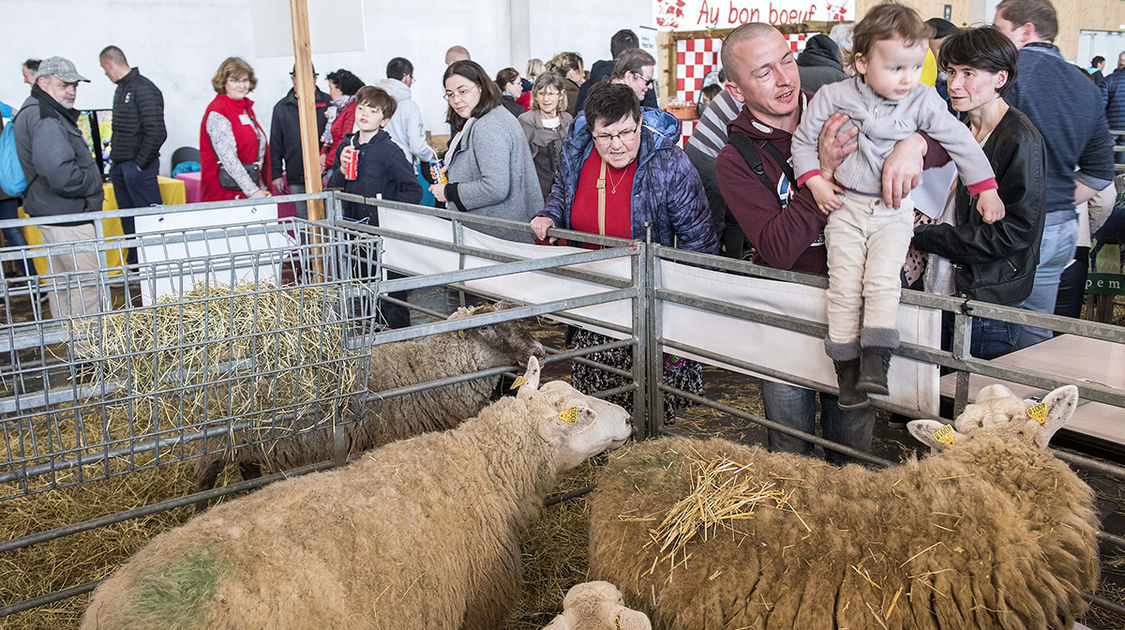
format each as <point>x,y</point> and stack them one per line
<point>866,240</point>
<point>369,163</point>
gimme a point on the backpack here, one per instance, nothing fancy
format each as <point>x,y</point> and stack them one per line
<point>11,173</point>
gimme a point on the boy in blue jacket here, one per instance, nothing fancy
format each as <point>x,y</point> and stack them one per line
<point>370,163</point>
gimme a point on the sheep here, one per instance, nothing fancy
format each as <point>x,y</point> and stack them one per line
<point>992,532</point>
<point>597,606</point>
<point>421,533</point>
<point>386,420</point>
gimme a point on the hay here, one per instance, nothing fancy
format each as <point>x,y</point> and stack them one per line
<point>218,351</point>
<point>720,495</point>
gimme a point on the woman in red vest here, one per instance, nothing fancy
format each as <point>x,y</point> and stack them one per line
<point>233,149</point>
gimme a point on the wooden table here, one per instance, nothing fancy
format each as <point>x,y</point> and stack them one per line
<point>1073,357</point>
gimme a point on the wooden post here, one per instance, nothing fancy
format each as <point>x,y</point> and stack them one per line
<point>306,104</point>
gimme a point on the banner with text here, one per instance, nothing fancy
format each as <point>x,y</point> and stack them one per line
<point>694,15</point>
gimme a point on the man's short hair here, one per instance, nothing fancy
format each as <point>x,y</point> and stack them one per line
<point>610,102</point>
<point>984,48</point>
<point>113,54</point>
<point>941,27</point>
<point>631,60</point>
<point>621,41</point>
<point>457,53</point>
<point>1040,14</point>
<point>398,68</point>
<point>748,31</point>
<point>376,98</point>
<point>32,64</point>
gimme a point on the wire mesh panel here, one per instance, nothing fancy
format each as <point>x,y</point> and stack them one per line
<point>221,337</point>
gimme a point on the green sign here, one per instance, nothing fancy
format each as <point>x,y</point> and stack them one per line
<point>1106,283</point>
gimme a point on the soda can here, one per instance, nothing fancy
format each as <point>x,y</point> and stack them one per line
<point>349,161</point>
<point>439,165</point>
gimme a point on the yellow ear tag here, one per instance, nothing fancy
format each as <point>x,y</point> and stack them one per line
<point>519,381</point>
<point>1038,412</point>
<point>569,415</point>
<point>461,334</point>
<point>945,434</point>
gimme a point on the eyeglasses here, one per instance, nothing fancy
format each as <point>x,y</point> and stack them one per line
<point>648,80</point>
<point>624,136</point>
<point>242,80</point>
<point>461,94</point>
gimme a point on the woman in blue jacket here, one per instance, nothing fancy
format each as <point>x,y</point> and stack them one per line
<point>617,177</point>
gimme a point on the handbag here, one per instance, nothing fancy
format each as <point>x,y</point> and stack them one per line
<point>253,169</point>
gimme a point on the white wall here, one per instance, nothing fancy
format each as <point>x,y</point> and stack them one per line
<point>179,44</point>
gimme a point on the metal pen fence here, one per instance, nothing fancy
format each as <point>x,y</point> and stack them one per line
<point>329,258</point>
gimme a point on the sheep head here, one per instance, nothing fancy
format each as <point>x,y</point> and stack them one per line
<point>998,410</point>
<point>509,342</point>
<point>580,426</point>
<point>597,606</point>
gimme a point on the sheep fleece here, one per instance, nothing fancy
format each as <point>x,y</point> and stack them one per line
<point>984,535</point>
<point>422,533</point>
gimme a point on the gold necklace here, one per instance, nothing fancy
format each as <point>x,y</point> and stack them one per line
<point>613,186</point>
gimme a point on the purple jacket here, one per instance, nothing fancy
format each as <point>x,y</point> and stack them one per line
<point>667,191</point>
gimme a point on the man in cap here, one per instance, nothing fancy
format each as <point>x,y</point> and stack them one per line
<point>62,179</point>
<point>138,134</point>
<point>285,141</point>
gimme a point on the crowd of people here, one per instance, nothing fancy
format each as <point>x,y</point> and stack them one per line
<point>819,184</point>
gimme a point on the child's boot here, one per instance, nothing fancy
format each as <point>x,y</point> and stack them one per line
<point>875,359</point>
<point>847,375</point>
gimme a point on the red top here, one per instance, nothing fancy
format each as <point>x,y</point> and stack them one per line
<point>524,100</point>
<point>342,124</point>
<point>618,194</point>
<point>243,123</point>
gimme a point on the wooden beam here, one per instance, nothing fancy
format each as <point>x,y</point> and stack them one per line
<point>306,104</point>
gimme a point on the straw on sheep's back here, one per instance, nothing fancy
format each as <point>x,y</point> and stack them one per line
<point>941,543</point>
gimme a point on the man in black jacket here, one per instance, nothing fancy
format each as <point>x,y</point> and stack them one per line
<point>621,41</point>
<point>285,142</point>
<point>138,134</point>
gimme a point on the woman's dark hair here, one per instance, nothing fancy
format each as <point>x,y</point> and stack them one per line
<point>984,48</point>
<point>1096,60</point>
<point>489,94</point>
<point>345,81</point>
<point>506,76</point>
<point>610,102</point>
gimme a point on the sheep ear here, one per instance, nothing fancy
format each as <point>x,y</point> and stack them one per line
<point>924,431</point>
<point>530,383</point>
<point>1061,404</point>
<point>568,422</point>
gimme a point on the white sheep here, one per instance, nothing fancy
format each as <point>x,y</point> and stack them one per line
<point>393,365</point>
<point>597,606</point>
<point>419,534</point>
<point>990,532</point>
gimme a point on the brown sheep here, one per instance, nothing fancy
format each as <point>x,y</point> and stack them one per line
<point>993,532</point>
<point>394,365</point>
<point>420,534</point>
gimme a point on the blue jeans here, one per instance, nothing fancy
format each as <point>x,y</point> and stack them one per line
<point>9,209</point>
<point>993,338</point>
<point>796,407</point>
<point>1060,237</point>
<point>134,189</point>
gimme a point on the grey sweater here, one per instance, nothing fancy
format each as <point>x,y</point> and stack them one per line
<point>882,123</point>
<point>62,177</point>
<point>491,173</point>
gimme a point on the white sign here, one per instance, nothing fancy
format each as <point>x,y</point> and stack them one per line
<point>334,26</point>
<point>697,15</point>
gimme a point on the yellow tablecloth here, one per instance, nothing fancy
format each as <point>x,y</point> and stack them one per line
<point>171,193</point>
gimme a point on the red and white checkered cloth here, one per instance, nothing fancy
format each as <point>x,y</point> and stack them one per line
<point>697,57</point>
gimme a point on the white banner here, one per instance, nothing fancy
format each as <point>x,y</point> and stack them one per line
<point>912,384</point>
<point>697,15</point>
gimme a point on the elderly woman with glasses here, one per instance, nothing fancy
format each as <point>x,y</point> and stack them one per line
<point>488,164</point>
<point>234,152</point>
<point>618,178</point>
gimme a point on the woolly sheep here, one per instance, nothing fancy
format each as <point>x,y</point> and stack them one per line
<point>597,606</point>
<point>394,365</point>
<point>993,532</point>
<point>419,534</point>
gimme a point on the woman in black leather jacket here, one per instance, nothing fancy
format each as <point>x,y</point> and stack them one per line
<point>991,262</point>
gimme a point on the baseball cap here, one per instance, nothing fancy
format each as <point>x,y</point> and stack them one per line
<point>293,72</point>
<point>942,27</point>
<point>62,68</point>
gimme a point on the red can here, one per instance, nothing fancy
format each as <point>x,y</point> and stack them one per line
<point>349,162</point>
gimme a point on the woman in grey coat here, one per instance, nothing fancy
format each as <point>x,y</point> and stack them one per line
<point>488,164</point>
<point>546,125</point>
